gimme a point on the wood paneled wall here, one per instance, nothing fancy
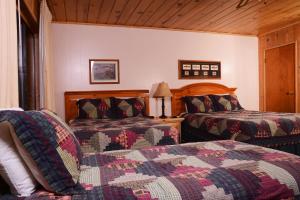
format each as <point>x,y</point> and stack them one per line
<point>277,38</point>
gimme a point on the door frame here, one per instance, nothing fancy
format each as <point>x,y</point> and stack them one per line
<point>296,73</point>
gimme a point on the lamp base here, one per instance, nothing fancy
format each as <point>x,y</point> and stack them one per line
<point>163,117</point>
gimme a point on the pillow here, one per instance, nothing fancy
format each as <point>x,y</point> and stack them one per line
<point>67,127</point>
<point>131,107</point>
<point>56,117</point>
<point>18,109</point>
<point>50,150</point>
<point>196,104</point>
<point>94,108</point>
<point>12,168</point>
<point>226,102</point>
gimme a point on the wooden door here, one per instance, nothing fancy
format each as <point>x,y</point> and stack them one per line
<point>280,79</point>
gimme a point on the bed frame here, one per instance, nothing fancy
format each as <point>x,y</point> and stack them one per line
<point>178,106</point>
<point>71,110</point>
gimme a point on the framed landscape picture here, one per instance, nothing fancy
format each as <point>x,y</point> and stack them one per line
<point>199,69</point>
<point>104,71</point>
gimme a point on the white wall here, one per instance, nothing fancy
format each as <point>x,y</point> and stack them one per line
<point>151,56</point>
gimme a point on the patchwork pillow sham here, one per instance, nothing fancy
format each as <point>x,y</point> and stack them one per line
<point>61,123</point>
<point>196,104</point>
<point>58,119</point>
<point>51,152</point>
<point>130,107</point>
<point>94,108</point>
<point>226,102</point>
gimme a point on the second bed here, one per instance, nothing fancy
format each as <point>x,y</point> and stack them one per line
<point>115,120</point>
<point>222,117</point>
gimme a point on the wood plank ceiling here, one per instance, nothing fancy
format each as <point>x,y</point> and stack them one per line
<point>223,16</point>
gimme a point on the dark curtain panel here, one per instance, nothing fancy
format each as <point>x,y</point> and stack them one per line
<point>27,68</point>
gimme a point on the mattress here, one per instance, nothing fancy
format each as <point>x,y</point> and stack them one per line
<point>99,135</point>
<point>204,170</point>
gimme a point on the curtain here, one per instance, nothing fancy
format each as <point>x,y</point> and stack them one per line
<point>9,96</point>
<point>45,59</point>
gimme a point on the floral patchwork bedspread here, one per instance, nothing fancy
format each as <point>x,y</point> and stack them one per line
<point>205,170</point>
<point>98,135</point>
<point>246,125</point>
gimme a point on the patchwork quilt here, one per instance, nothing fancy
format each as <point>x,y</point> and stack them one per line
<point>245,125</point>
<point>98,135</point>
<point>206,170</point>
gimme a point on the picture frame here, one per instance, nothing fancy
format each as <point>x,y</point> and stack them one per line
<point>104,71</point>
<point>199,69</point>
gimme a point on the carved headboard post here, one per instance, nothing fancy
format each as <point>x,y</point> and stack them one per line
<point>71,98</point>
<point>195,89</point>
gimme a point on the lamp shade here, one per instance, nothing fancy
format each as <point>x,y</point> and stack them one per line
<point>162,90</point>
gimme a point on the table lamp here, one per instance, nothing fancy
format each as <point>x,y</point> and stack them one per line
<point>162,91</point>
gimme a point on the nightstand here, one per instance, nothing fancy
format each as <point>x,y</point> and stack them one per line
<point>175,122</point>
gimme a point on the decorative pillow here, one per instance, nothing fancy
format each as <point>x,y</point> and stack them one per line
<point>17,109</point>
<point>226,102</point>
<point>131,107</point>
<point>67,127</point>
<point>12,168</point>
<point>94,108</point>
<point>59,120</point>
<point>196,104</point>
<point>51,151</point>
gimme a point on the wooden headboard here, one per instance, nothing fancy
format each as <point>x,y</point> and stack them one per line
<point>71,110</point>
<point>178,106</point>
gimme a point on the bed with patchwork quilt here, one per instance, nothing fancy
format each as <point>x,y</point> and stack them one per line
<point>98,135</point>
<point>205,170</point>
<point>218,117</point>
<point>268,129</point>
<point>105,124</point>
